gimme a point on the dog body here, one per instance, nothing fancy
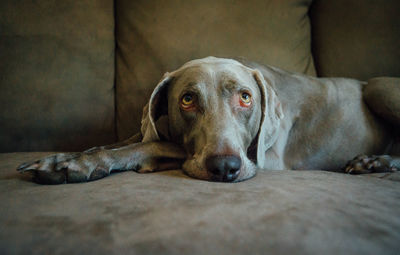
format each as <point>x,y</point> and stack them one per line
<point>326,122</point>
<point>221,120</point>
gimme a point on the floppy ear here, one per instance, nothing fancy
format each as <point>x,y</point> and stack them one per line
<point>154,109</point>
<point>272,114</point>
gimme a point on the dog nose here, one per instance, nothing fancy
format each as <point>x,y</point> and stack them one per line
<point>223,168</point>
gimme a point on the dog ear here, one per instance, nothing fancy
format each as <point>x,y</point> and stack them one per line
<point>271,116</point>
<point>154,109</point>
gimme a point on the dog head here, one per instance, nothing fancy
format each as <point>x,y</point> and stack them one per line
<point>224,114</point>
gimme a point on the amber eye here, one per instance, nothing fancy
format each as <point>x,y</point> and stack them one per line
<point>245,98</point>
<point>187,100</point>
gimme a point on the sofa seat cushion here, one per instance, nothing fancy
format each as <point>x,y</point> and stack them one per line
<point>276,212</point>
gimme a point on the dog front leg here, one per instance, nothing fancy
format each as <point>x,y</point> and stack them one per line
<point>96,164</point>
<point>133,139</point>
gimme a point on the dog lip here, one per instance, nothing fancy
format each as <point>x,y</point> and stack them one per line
<point>246,178</point>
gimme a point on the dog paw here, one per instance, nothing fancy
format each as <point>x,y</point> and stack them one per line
<point>65,168</point>
<point>363,164</point>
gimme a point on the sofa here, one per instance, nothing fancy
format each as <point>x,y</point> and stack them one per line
<point>76,74</point>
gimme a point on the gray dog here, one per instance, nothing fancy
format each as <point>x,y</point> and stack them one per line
<point>221,120</point>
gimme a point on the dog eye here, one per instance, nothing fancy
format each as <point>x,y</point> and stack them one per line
<point>187,101</point>
<point>245,98</point>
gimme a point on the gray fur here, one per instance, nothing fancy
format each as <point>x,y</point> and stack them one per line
<point>294,122</point>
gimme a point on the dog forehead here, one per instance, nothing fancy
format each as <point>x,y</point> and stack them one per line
<point>214,65</point>
<point>215,71</point>
<point>211,60</point>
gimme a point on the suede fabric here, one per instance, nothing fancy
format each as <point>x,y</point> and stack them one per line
<point>158,36</point>
<point>56,74</point>
<point>276,212</point>
<point>356,38</point>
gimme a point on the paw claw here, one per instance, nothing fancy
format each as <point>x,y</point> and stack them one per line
<point>22,167</point>
<point>28,167</point>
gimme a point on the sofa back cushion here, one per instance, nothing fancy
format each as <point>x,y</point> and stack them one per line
<point>56,74</point>
<point>354,38</point>
<point>158,36</point>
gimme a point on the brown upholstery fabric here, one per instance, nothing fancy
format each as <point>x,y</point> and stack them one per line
<point>276,212</point>
<point>56,74</point>
<point>356,38</point>
<point>158,36</point>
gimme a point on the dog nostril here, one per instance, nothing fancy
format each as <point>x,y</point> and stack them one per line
<point>232,164</point>
<point>233,171</point>
<point>224,168</point>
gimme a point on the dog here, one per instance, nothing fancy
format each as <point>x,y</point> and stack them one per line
<point>222,119</point>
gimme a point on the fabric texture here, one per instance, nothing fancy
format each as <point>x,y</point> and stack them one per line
<point>276,212</point>
<point>56,74</point>
<point>154,37</point>
<point>356,38</point>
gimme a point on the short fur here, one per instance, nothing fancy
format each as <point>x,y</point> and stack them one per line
<point>294,122</point>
